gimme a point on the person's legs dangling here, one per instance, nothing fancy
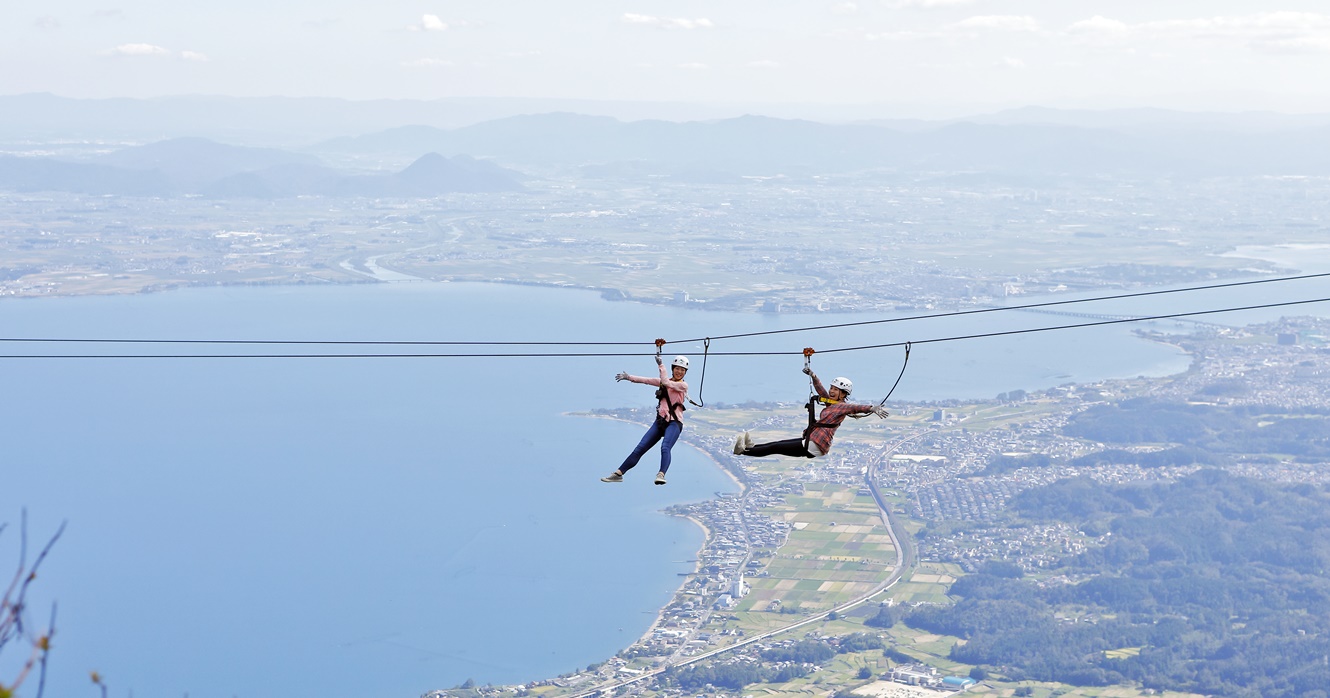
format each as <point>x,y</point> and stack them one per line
<point>649,439</point>
<point>672,432</point>
<point>788,447</point>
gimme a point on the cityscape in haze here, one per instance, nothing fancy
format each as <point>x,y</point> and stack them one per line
<point>312,313</point>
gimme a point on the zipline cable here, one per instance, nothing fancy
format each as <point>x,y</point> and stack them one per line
<point>1026,306</point>
<point>812,328</point>
<point>935,340</point>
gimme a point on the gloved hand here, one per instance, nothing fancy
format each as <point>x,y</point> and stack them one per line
<point>658,361</point>
<point>808,371</point>
<point>881,412</point>
<point>621,376</point>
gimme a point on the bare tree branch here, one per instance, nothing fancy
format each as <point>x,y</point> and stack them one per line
<point>13,605</point>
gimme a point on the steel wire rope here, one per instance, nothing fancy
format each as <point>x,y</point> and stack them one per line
<point>811,328</point>
<point>934,340</point>
<point>1026,306</point>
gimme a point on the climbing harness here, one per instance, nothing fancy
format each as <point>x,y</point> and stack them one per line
<point>663,393</point>
<point>814,399</point>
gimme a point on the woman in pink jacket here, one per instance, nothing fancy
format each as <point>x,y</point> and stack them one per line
<point>671,393</point>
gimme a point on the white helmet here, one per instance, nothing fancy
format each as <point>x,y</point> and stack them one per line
<point>844,384</point>
<point>681,362</point>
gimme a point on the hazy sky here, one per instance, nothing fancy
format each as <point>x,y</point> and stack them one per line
<point>1212,54</point>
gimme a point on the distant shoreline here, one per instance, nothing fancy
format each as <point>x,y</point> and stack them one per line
<point>706,531</point>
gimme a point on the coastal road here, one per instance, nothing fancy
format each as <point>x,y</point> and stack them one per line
<point>904,555</point>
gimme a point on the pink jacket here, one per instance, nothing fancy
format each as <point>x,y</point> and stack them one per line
<point>678,393</point>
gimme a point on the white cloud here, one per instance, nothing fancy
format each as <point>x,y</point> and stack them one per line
<point>693,66</point>
<point>1269,32</point>
<point>1293,45</point>
<point>193,56</point>
<point>429,23</point>
<point>907,36</point>
<point>47,23</point>
<point>969,28</point>
<point>135,50</point>
<point>1010,62</point>
<point>1243,26</point>
<point>1014,23</point>
<point>845,8</point>
<point>764,64</point>
<point>926,4</point>
<point>428,63</point>
<point>1098,24</point>
<point>667,22</point>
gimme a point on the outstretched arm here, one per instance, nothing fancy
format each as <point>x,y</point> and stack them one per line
<point>817,383</point>
<point>857,411</point>
<point>625,376</point>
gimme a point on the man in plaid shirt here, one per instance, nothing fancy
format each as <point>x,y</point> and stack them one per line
<point>816,440</point>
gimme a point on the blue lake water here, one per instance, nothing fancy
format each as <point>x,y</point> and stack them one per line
<point>382,527</point>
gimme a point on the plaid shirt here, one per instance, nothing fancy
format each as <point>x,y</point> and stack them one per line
<point>832,415</point>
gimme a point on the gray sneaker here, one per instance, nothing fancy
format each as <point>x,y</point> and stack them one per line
<point>612,477</point>
<point>748,441</point>
<point>660,478</point>
<point>739,446</point>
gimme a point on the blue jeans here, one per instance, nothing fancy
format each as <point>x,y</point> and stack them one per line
<point>660,430</point>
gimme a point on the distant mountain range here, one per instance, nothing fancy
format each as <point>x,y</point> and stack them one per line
<point>1024,146</point>
<point>286,121</point>
<point>200,166</point>
<point>296,121</point>
<point>752,145</point>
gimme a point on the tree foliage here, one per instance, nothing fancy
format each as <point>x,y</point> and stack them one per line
<point>858,642</point>
<point>1219,582</point>
<point>885,617</point>
<point>1000,464</point>
<point>1209,434</point>
<point>808,651</point>
<point>735,676</point>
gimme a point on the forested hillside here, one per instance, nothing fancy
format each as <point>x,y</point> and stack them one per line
<point>1213,584</point>
<point>1209,433</point>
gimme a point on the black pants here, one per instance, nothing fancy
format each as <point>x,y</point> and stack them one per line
<point>788,447</point>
